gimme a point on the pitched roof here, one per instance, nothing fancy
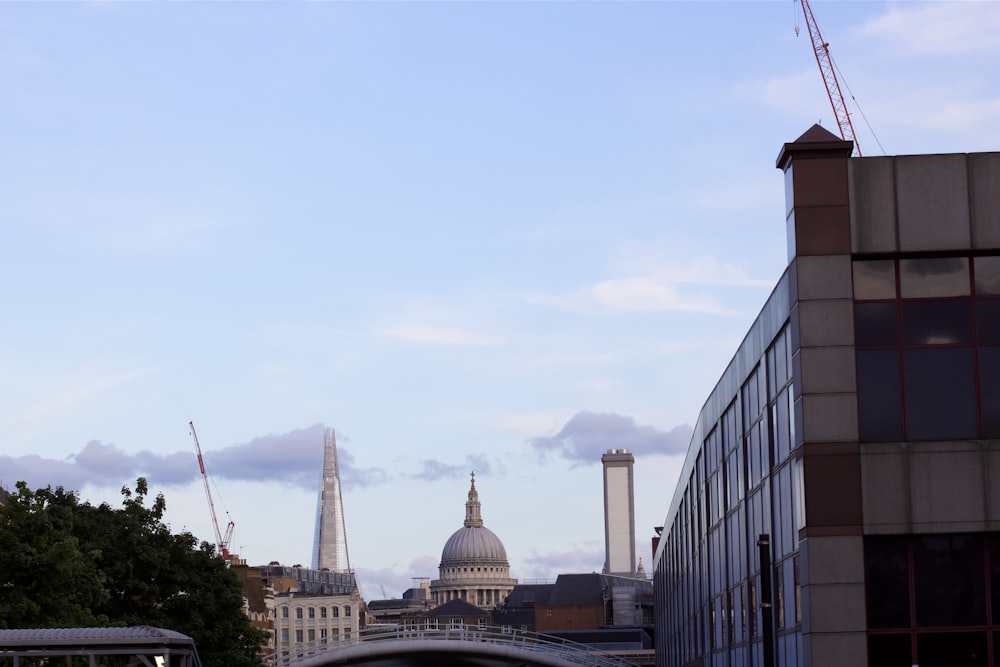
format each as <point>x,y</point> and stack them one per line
<point>578,589</point>
<point>527,595</point>
<point>457,607</point>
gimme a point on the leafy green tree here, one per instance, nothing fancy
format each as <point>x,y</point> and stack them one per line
<point>121,567</point>
<point>46,579</point>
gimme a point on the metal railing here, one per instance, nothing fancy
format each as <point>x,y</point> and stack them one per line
<point>564,649</point>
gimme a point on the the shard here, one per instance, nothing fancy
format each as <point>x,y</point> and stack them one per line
<point>330,544</point>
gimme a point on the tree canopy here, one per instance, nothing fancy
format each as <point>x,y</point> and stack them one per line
<point>66,564</point>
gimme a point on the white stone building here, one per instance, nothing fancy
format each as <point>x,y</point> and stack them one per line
<point>474,565</point>
<point>301,620</point>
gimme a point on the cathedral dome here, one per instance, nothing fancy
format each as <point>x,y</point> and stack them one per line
<point>473,543</point>
<point>474,563</point>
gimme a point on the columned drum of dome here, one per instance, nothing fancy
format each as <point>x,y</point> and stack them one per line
<point>474,564</point>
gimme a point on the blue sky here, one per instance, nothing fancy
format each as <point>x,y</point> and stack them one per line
<point>500,236</point>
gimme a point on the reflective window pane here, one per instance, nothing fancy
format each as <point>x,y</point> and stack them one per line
<point>989,395</point>
<point>952,649</point>
<point>879,401</point>
<point>875,279</point>
<point>945,276</point>
<point>889,651</point>
<point>875,324</point>
<point>988,321</point>
<point>995,577</point>
<point>887,582</point>
<point>949,582</point>
<point>937,322</point>
<point>940,393</point>
<point>987,275</point>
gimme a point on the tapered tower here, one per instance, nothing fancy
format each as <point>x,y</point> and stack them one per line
<point>330,544</point>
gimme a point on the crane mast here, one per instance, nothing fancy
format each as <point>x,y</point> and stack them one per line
<point>221,541</point>
<point>826,69</point>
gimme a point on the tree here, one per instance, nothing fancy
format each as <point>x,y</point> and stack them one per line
<point>46,579</point>
<point>123,567</point>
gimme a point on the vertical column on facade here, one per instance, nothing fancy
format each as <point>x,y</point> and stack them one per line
<point>825,471</point>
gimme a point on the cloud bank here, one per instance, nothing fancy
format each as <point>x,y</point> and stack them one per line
<point>294,458</point>
<point>587,435</point>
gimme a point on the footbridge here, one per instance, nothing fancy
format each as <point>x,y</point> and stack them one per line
<point>460,647</point>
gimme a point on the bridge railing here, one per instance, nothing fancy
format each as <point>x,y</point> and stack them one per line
<point>567,650</point>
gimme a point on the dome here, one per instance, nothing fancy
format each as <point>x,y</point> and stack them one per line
<point>474,565</point>
<point>473,543</point>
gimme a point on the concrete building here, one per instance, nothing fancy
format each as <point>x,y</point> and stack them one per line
<point>846,468</point>
<point>619,513</point>
<point>474,565</point>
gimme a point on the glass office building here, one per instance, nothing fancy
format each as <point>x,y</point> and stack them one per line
<point>840,500</point>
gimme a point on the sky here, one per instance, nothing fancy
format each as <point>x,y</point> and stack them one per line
<point>491,236</point>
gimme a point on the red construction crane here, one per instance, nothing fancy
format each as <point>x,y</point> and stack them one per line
<point>826,69</point>
<point>221,541</point>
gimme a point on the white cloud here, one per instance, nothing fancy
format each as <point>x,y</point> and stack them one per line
<point>981,113</point>
<point>793,94</point>
<point>651,295</point>
<point>659,285</point>
<point>419,333</point>
<point>940,28</point>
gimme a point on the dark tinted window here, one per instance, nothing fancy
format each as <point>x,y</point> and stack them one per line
<point>875,324</point>
<point>989,394</point>
<point>937,322</point>
<point>949,580</point>
<point>994,539</point>
<point>940,393</point>
<point>879,402</point>
<point>952,649</point>
<point>889,651</point>
<point>888,588</point>
<point>988,321</point>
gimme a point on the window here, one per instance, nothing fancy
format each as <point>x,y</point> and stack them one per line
<point>948,619</point>
<point>311,635</point>
<point>298,612</point>
<point>335,611</point>
<point>482,624</point>
<point>298,636</point>
<point>284,612</point>
<point>934,277</point>
<point>924,329</point>
<point>312,612</point>
<point>879,396</point>
<point>431,624</point>
<point>322,612</point>
<point>506,629</point>
<point>284,635</point>
<point>457,624</point>
<point>949,580</point>
<point>940,388</point>
<point>322,634</point>
<point>347,611</point>
<point>875,279</point>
